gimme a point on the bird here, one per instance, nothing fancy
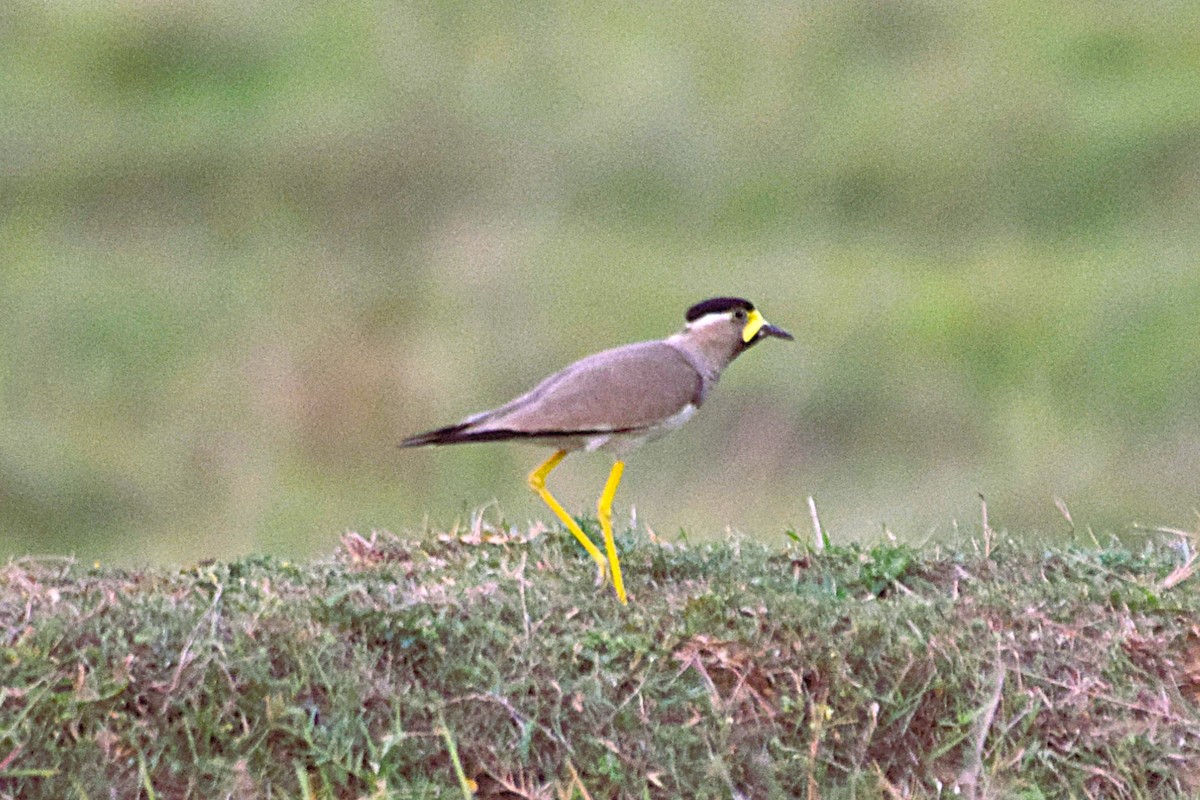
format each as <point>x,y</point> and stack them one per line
<point>615,401</point>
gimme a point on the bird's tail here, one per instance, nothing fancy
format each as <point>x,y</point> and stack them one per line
<point>458,434</point>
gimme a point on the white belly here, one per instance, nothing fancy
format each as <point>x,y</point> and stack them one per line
<point>624,443</point>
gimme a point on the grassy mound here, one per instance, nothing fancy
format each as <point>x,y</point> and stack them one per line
<point>489,663</point>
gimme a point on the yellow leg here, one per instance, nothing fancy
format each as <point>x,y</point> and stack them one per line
<point>537,482</point>
<point>604,511</point>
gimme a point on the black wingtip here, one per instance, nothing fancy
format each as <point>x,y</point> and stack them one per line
<point>462,434</point>
<point>448,435</point>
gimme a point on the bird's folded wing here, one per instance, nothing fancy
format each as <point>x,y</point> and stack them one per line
<point>628,388</point>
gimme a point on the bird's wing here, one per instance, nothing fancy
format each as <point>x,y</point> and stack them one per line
<point>624,389</point>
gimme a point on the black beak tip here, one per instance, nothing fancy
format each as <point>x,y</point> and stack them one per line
<point>778,333</point>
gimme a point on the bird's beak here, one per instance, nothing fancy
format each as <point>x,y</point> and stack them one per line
<point>778,333</point>
<point>757,327</point>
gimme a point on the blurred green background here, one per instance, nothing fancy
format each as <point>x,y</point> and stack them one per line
<point>247,247</point>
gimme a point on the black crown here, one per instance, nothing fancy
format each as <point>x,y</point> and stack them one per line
<point>717,305</point>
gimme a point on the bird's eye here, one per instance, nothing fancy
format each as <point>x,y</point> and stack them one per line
<point>740,315</point>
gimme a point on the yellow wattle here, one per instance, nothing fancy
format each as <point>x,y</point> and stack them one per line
<point>754,322</point>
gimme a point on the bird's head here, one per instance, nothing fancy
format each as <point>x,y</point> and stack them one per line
<point>728,325</point>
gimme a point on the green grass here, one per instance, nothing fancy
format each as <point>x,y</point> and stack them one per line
<point>487,661</point>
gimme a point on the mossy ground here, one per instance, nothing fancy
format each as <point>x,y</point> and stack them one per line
<point>489,661</point>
